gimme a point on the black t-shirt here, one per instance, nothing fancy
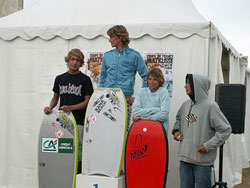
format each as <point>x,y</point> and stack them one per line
<point>72,89</point>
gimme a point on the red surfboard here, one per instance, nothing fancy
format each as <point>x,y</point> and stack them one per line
<point>146,158</point>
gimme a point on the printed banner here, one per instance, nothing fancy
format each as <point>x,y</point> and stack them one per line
<point>163,61</point>
<point>94,67</point>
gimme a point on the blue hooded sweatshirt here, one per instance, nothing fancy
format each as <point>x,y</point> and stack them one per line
<point>119,70</point>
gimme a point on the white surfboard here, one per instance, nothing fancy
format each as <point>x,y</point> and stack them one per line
<point>104,132</point>
<point>58,151</point>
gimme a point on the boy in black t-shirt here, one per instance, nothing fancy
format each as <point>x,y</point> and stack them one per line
<point>74,89</point>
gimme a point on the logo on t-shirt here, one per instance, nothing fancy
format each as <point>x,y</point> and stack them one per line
<point>70,89</point>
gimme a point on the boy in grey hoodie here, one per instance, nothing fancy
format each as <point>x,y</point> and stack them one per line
<point>200,127</point>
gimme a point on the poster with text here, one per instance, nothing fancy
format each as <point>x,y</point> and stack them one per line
<point>163,61</point>
<point>94,67</point>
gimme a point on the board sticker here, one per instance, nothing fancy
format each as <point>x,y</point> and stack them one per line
<point>50,145</point>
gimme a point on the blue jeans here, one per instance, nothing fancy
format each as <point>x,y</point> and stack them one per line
<point>194,176</point>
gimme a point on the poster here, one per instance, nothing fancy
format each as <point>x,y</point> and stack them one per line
<point>163,61</point>
<point>94,67</point>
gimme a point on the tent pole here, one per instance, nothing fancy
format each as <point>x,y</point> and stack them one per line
<point>208,58</point>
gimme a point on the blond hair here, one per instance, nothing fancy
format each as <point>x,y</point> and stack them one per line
<point>75,52</point>
<point>121,32</point>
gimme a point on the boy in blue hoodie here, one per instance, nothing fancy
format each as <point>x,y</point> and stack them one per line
<point>201,128</point>
<point>120,65</point>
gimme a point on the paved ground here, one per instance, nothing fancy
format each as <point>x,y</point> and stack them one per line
<point>245,179</point>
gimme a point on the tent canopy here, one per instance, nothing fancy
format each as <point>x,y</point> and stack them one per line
<point>86,19</point>
<point>71,18</point>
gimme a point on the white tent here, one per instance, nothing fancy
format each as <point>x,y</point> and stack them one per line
<point>34,41</point>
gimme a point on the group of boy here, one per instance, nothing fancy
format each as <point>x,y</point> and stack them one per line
<point>200,125</point>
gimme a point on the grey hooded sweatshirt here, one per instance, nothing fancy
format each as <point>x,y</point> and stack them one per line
<point>201,121</point>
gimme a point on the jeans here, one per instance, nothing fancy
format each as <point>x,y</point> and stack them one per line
<point>194,176</point>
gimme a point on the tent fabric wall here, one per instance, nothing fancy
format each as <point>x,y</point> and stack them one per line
<point>231,169</point>
<point>25,90</point>
<point>235,152</point>
<point>247,121</point>
<point>214,64</point>
<point>235,146</point>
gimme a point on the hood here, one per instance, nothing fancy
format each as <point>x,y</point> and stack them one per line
<point>200,86</point>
